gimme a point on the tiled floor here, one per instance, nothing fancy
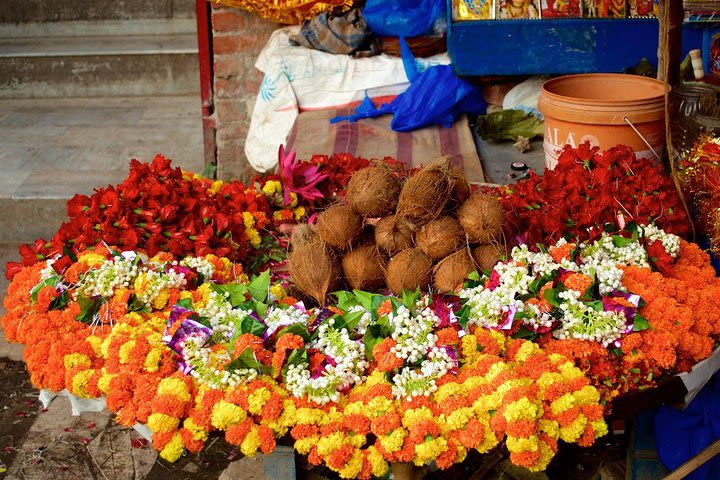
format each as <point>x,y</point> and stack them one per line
<point>54,148</point>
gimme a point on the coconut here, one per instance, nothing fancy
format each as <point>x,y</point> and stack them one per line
<point>481,217</point>
<point>393,234</point>
<point>425,194</point>
<point>373,191</point>
<point>314,270</point>
<point>339,227</point>
<point>452,271</point>
<point>487,256</point>
<point>364,268</point>
<point>461,190</point>
<point>408,270</point>
<point>303,234</point>
<point>440,237</point>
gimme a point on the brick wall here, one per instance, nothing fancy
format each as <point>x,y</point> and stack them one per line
<point>238,38</point>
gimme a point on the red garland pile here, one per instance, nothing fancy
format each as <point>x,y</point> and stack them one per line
<point>158,208</point>
<point>588,189</point>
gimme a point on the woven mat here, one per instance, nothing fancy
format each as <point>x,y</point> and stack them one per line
<point>372,138</point>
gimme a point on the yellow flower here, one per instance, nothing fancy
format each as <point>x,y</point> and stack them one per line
<point>174,449</point>
<point>294,199</point>
<point>378,405</point>
<point>126,350</point>
<point>159,422</point>
<point>550,427</point>
<point>198,433</point>
<point>271,187</point>
<point>522,409</point>
<point>377,462</point>
<point>459,418</point>
<point>429,450</point>
<point>161,299</point>
<point>469,347</point>
<point>248,219</point>
<point>546,454</point>
<point>278,291</point>
<point>224,415</point>
<point>573,431</point>
<point>307,416</point>
<point>205,290</point>
<point>95,343</point>
<point>304,445</point>
<point>353,467</point>
<point>490,441</point>
<point>600,427</point>
<point>253,236</point>
<point>91,259</point>
<point>80,383</point>
<point>299,213</point>
<point>547,379</point>
<point>152,361</point>
<point>517,444</point>
<point>526,350</point>
<point>74,360</point>
<point>251,443</point>
<point>587,395</point>
<point>257,400</point>
<point>174,386</point>
<point>448,390</point>
<point>394,441</point>
<point>215,187</point>
<point>562,404</point>
<point>104,381</point>
<point>414,415</point>
<point>287,417</point>
<point>332,416</point>
<point>329,444</point>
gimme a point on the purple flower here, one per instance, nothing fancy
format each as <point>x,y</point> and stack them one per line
<point>188,327</point>
<point>611,304</point>
<point>445,307</point>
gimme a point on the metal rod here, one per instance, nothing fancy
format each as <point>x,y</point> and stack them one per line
<point>642,138</point>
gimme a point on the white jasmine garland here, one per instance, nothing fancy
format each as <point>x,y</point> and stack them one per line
<point>413,335</point>
<point>221,315</point>
<point>205,365</point>
<point>413,382</point>
<point>200,264</point>
<point>109,276</point>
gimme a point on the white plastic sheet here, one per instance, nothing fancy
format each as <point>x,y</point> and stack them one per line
<point>78,405</point>
<point>299,78</point>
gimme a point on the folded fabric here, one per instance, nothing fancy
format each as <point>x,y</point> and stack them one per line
<point>347,34</point>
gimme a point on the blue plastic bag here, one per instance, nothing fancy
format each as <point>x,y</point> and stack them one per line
<point>682,434</point>
<point>434,97</point>
<point>402,18</point>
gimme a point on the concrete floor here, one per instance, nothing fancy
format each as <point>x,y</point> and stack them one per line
<point>54,148</point>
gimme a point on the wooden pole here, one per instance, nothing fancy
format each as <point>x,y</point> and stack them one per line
<point>697,461</point>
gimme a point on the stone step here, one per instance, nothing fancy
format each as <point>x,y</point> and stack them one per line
<point>40,11</point>
<point>108,65</point>
<point>146,26</point>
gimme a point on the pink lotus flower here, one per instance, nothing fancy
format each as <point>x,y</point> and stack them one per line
<point>298,177</point>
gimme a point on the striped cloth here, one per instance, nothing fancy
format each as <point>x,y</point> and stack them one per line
<point>346,34</point>
<point>372,138</point>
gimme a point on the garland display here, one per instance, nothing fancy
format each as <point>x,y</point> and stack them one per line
<point>700,176</point>
<point>207,335</point>
<point>288,12</point>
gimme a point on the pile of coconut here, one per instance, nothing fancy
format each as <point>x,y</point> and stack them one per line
<point>429,232</point>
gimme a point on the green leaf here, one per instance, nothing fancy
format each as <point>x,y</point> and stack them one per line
<point>60,301</point>
<point>621,241</point>
<point>551,295</point>
<point>259,286</point>
<point>247,360</point>
<point>509,125</point>
<point>237,292</point>
<point>375,334</point>
<point>640,323</point>
<point>410,298</point>
<point>464,316</point>
<point>250,325</point>
<point>297,357</point>
<point>260,308</point>
<point>135,305</point>
<point>597,305</point>
<point>365,299</point>
<point>296,329</point>
<point>525,333</point>
<point>185,303</point>
<point>346,300</point>
<point>89,307</point>
<point>48,282</point>
<point>349,321</point>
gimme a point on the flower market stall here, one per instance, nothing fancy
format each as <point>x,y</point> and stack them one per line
<point>417,318</point>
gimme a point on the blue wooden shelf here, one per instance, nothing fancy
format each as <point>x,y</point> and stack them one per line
<point>557,46</point>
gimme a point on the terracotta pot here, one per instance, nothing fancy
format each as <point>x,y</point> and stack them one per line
<point>596,107</point>
<point>404,471</point>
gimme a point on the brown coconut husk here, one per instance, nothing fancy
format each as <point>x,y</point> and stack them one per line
<point>441,237</point>
<point>408,270</point>
<point>481,217</point>
<point>364,268</point>
<point>424,195</point>
<point>339,227</point>
<point>373,191</point>
<point>461,190</point>
<point>393,234</point>
<point>314,270</point>
<point>452,271</point>
<point>488,255</point>
<point>303,234</point>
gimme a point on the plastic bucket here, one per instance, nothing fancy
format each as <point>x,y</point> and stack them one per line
<point>600,108</point>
